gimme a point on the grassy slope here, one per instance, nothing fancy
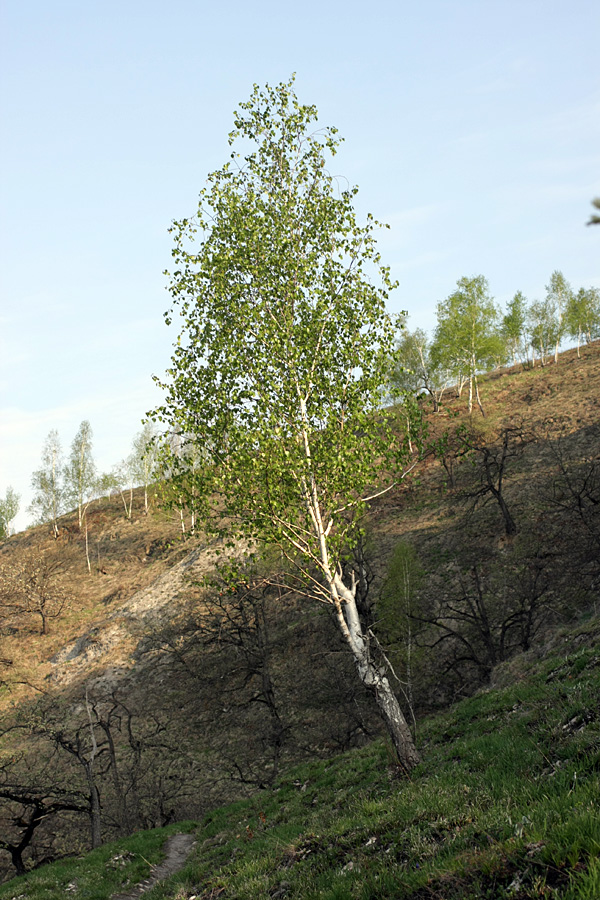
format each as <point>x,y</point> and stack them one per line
<point>505,804</point>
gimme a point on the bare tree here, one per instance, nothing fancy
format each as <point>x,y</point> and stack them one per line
<point>574,498</point>
<point>398,608</point>
<point>26,807</point>
<point>82,744</point>
<point>484,614</point>
<point>491,459</point>
<point>33,584</point>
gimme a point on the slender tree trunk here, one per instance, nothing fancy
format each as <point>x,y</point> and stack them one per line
<point>509,523</point>
<point>374,677</point>
<point>94,809</point>
<point>478,397</point>
<point>124,820</point>
<point>277,726</point>
<point>95,815</point>
<point>127,510</point>
<point>54,498</point>
<point>480,615</point>
<point>344,601</point>
<point>409,639</point>
<point>87,548</point>
<point>16,855</point>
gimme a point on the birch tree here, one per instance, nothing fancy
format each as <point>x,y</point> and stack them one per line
<point>513,326</point>
<point>558,295</point>
<point>583,316</point>
<point>279,369</point>
<point>143,458</point>
<point>124,479</point>
<point>414,369</point>
<point>80,471</point>
<point>541,324</point>
<point>467,337</point>
<point>176,450</point>
<point>9,507</point>
<point>48,500</point>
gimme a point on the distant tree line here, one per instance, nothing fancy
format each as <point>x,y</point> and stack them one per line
<point>60,486</point>
<point>472,336</point>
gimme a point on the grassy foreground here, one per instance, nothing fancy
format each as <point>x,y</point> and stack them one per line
<point>505,805</point>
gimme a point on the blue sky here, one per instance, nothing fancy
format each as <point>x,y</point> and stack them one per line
<point>473,128</point>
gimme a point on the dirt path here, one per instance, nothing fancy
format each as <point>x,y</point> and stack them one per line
<point>178,848</point>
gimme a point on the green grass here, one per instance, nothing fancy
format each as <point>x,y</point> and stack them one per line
<point>110,869</point>
<point>505,805</point>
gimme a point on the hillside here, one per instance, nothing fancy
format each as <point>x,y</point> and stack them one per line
<point>504,806</point>
<point>194,698</point>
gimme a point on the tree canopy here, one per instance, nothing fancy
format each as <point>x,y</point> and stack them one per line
<point>286,342</point>
<point>595,218</point>
<point>513,325</point>
<point>467,338</point>
<point>80,471</point>
<point>413,371</point>
<point>558,295</point>
<point>9,507</point>
<point>47,482</point>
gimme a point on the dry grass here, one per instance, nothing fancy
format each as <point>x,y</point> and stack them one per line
<point>128,555</point>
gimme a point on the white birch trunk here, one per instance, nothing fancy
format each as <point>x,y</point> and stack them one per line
<point>374,677</point>
<point>344,601</point>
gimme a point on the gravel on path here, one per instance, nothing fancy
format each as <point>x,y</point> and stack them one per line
<point>178,848</point>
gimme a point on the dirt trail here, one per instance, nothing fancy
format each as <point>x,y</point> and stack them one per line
<point>178,848</point>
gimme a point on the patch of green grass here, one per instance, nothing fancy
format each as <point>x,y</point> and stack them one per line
<point>110,869</point>
<point>504,805</point>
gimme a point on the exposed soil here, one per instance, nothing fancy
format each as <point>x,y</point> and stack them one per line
<point>178,848</point>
